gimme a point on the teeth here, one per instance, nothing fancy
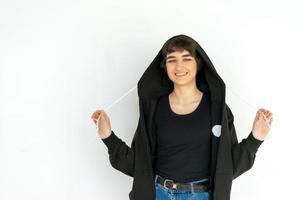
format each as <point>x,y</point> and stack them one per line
<point>180,74</point>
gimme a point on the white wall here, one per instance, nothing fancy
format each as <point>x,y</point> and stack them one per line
<point>61,60</point>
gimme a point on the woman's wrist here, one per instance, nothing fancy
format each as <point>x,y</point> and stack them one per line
<point>106,135</point>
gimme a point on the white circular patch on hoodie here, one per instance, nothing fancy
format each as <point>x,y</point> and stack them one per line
<point>217,130</point>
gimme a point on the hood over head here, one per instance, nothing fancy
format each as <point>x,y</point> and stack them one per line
<point>155,82</point>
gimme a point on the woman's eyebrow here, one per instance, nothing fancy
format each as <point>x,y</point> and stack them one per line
<point>185,55</point>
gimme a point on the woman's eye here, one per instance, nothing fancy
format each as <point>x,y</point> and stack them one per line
<point>183,60</point>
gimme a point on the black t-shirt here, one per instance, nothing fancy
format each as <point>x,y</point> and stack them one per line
<point>183,141</point>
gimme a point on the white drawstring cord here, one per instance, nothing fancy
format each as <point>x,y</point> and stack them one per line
<point>119,99</point>
<point>112,104</point>
<point>251,106</point>
<point>126,93</point>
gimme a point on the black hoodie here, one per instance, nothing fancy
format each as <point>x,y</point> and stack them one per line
<point>229,158</point>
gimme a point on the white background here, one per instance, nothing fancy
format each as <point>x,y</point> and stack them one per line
<point>62,60</point>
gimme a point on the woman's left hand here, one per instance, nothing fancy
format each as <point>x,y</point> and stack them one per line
<point>260,128</point>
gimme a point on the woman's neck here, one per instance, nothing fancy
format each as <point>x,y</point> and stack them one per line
<point>185,94</point>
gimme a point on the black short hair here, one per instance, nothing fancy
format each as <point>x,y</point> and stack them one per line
<point>180,43</point>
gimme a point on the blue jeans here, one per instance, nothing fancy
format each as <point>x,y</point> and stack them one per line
<point>163,193</point>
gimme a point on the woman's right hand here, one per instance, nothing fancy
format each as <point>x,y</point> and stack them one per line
<point>103,125</point>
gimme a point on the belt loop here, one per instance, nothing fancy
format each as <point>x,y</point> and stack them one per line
<point>156,176</point>
<point>192,187</point>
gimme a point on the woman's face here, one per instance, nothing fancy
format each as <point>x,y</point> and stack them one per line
<point>181,67</point>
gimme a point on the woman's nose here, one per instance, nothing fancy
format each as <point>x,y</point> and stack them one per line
<point>178,66</point>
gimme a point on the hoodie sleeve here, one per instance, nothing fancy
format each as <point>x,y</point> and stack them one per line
<point>243,153</point>
<point>121,156</point>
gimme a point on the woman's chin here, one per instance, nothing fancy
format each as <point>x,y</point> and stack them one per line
<point>182,82</point>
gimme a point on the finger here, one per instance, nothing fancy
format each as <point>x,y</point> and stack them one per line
<point>262,110</point>
<point>257,115</point>
<point>269,115</point>
<point>267,122</point>
<point>105,116</point>
<point>97,124</point>
<point>261,115</point>
<point>96,113</point>
<point>95,117</point>
<point>271,120</point>
<point>266,112</point>
<point>97,120</point>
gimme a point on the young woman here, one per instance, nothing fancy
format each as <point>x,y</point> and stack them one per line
<point>185,145</point>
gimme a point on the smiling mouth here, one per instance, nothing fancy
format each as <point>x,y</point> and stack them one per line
<point>181,74</point>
